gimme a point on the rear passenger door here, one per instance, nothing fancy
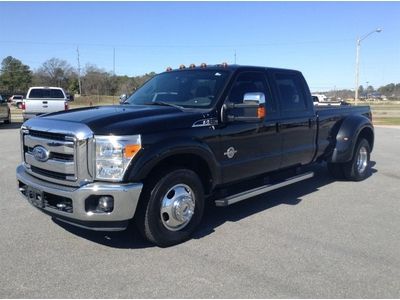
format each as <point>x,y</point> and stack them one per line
<point>297,125</point>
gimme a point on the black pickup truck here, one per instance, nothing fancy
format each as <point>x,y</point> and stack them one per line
<point>208,134</point>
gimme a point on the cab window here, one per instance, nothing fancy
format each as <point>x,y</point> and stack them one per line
<point>251,82</point>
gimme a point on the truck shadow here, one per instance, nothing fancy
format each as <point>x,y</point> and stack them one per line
<point>290,195</point>
<point>216,216</point>
<point>12,125</point>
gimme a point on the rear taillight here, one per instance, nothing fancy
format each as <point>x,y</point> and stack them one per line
<point>23,107</point>
<point>65,105</point>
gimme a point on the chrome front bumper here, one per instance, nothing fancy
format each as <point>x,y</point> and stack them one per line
<point>126,197</point>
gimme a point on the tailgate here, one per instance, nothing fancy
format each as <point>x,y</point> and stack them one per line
<point>44,105</point>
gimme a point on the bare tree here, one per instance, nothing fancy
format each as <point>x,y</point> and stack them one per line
<point>55,72</point>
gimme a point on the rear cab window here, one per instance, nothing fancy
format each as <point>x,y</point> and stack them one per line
<point>292,92</point>
<point>46,94</point>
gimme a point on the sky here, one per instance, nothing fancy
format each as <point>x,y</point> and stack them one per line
<point>317,38</point>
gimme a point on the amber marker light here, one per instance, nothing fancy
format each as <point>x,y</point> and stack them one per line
<point>131,150</point>
<point>261,112</point>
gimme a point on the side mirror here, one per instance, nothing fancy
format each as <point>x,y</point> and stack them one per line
<point>253,108</point>
<point>122,98</point>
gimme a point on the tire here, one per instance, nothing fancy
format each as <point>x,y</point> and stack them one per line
<point>8,121</point>
<point>359,167</point>
<point>171,207</point>
<point>336,170</point>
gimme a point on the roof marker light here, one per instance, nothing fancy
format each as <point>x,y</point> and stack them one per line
<point>192,66</point>
<point>169,69</point>
<point>181,67</point>
<point>203,65</point>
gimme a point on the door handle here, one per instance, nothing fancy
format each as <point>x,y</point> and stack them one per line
<point>44,102</point>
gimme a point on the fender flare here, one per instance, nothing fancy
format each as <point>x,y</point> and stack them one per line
<point>347,137</point>
<point>157,153</point>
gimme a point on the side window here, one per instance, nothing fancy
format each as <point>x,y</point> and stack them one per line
<point>291,90</point>
<point>251,82</point>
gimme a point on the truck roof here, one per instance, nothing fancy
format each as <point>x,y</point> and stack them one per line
<point>225,66</point>
<point>46,87</point>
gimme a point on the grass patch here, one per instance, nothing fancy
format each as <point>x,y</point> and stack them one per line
<point>94,101</point>
<point>387,121</point>
<point>383,112</point>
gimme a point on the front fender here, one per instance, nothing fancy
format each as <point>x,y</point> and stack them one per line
<point>347,136</point>
<point>160,151</point>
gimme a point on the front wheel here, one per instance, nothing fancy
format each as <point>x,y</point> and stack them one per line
<point>171,207</point>
<point>358,167</point>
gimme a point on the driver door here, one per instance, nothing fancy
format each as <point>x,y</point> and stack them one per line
<point>249,148</point>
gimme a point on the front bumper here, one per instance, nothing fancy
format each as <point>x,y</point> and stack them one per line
<point>126,197</point>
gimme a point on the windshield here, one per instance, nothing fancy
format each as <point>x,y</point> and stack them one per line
<point>186,89</point>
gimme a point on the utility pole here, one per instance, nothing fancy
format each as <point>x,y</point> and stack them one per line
<point>235,56</point>
<point>79,72</point>
<point>358,61</point>
<point>114,72</point>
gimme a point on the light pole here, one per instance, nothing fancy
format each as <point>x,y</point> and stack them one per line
<point>358,60</point>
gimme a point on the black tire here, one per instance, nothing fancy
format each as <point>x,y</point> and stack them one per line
<point>8,121</point>
<point>336,170</point>
<point>149,220</point>
<point>358,168</point>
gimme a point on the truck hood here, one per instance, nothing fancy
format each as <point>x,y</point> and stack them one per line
<point>128,119</point>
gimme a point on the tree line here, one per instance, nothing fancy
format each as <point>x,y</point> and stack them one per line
<point>16,78</point>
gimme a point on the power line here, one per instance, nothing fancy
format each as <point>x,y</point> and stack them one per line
<point>79,72</point>
<point>251,45</point>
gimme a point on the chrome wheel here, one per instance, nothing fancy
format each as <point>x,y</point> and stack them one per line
<point>177,207</point>
<point>362,160</point>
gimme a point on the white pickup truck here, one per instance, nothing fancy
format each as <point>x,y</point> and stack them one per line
<point>43,100</point>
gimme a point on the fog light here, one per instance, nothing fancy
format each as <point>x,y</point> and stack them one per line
<point>106,204</point>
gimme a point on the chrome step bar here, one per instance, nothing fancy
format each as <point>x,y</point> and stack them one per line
<point>261,190</point>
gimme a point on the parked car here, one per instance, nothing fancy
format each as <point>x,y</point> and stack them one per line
<point>70,97</point>
<point>42,100</point>
<point>5,112</point>
<point>216,134</point>
<point>16,100</point>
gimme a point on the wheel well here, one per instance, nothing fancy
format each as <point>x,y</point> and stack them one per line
<point>367,134</point>
<point>188,161</point>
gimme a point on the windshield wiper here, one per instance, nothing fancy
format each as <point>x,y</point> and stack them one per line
<point>166,104</point>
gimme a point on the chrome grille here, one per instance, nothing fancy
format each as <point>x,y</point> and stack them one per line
<point>67,156</point>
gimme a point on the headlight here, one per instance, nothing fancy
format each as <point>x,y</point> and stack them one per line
<point>113,155</point>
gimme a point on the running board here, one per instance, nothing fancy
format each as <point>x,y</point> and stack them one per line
<point>261,190</point>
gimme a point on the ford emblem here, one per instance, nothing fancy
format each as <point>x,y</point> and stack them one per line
<point>40,153</point>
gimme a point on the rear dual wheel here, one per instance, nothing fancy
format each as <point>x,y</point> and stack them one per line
<point>358,168</point>
<point>171,207</point>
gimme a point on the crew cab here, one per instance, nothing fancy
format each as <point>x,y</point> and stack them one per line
<point>41,100</point>
<point>218,134</point>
